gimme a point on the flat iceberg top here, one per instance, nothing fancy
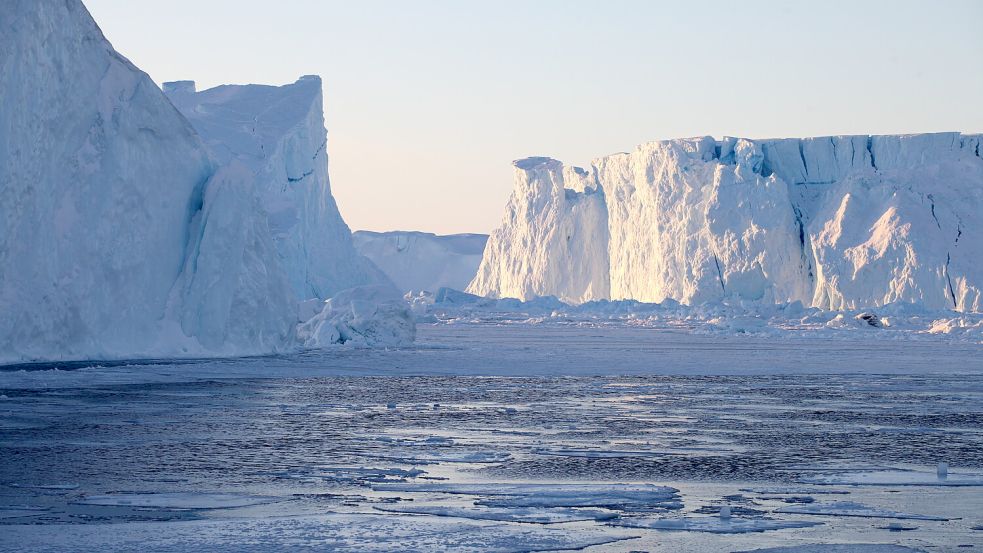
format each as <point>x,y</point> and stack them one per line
<point>246,120</point>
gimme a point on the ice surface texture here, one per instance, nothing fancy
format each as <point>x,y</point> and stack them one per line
<point>836,222</point>
<point>122,235</point>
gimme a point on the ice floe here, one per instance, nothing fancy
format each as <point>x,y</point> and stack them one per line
<point>852,509</point>
<point>528,515</point>
<point>176,500</point>
<point>839,548</point>
<point>713,525</point>
<point>893,477</point>
<point>338,533</point>
<point>20,511</point>
<point>614,496</point>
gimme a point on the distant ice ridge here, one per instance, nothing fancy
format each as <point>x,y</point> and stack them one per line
<point>841,223</point>
<point>121,236</point>
<point>421,261</point>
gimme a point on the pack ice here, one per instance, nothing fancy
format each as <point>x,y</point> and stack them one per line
<point>843,222</point>
<point>121,234</point>
<point>421,261</point>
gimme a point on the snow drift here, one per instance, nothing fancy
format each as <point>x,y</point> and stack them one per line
<point>835,222</point>
<point>120,235</point>
<point>417,261</point>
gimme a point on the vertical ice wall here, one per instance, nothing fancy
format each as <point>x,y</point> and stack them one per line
<point>278,132</point>
<point>122,235</point>
<point>99,178</point>
<point>837,222</point>
<point>554,238</point>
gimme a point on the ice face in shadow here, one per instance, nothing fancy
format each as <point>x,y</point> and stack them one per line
<point>278,132</point>
<point>100,178</point>
<point>421,261</point>
<point>841,222</point>
<point>123,236</point>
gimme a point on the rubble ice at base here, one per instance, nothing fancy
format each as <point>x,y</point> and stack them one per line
<point>123,235</point>
<point>846,222</point>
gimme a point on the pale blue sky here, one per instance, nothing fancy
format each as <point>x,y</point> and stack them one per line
<point>428,101</point>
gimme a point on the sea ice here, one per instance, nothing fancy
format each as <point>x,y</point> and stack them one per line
<point>713,525</point>
<point>340,533</point>
<point>839,548</point>
<point>176,500</point>
<point>614,496</point>
<point>531,515</point>
<point>852,509</point>
<point>896,478</point>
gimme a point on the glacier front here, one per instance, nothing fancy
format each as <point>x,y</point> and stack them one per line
<point>841,222</point>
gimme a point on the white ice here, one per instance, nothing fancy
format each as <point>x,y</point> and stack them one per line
<point>852,509</point>
<point>176,500</point>
<point>845,222</point>
<point>532,515</point>
<point>896,478</point>
<point>713,525</point>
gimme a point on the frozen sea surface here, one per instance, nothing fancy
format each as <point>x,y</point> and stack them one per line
<point>479,435</point>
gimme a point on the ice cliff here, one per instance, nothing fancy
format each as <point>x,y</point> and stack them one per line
<point>121,234</point>
<point>278,132</point>
<point>418,261</point>
<point>840,222</point>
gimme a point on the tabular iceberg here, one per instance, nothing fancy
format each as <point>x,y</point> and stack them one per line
<point>121,234</point>
<point>421,261</point>
<point>836,222</point>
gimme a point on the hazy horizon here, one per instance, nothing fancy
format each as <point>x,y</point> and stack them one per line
<point>428,103</point>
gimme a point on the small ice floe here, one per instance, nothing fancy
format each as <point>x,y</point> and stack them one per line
<point>600,453</point>
<point>942,476</point>
<point>612,496</point>
<point>713,525</point>
<point>433,458</point>
<point>851,509</point>
<point>358,475</point>
<point>21,511</point>
<point>839,548</point>
<point>177,501</point>
<point>526,515</point>
<point>897,527</point>
<point>793,490</point>
<point>726,511</point>
<point>48,487</point>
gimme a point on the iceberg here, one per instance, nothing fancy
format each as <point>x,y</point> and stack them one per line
<point>278,133</point>
<point>842,223</point>
<point>422,261</point>
<point>122,235</point>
